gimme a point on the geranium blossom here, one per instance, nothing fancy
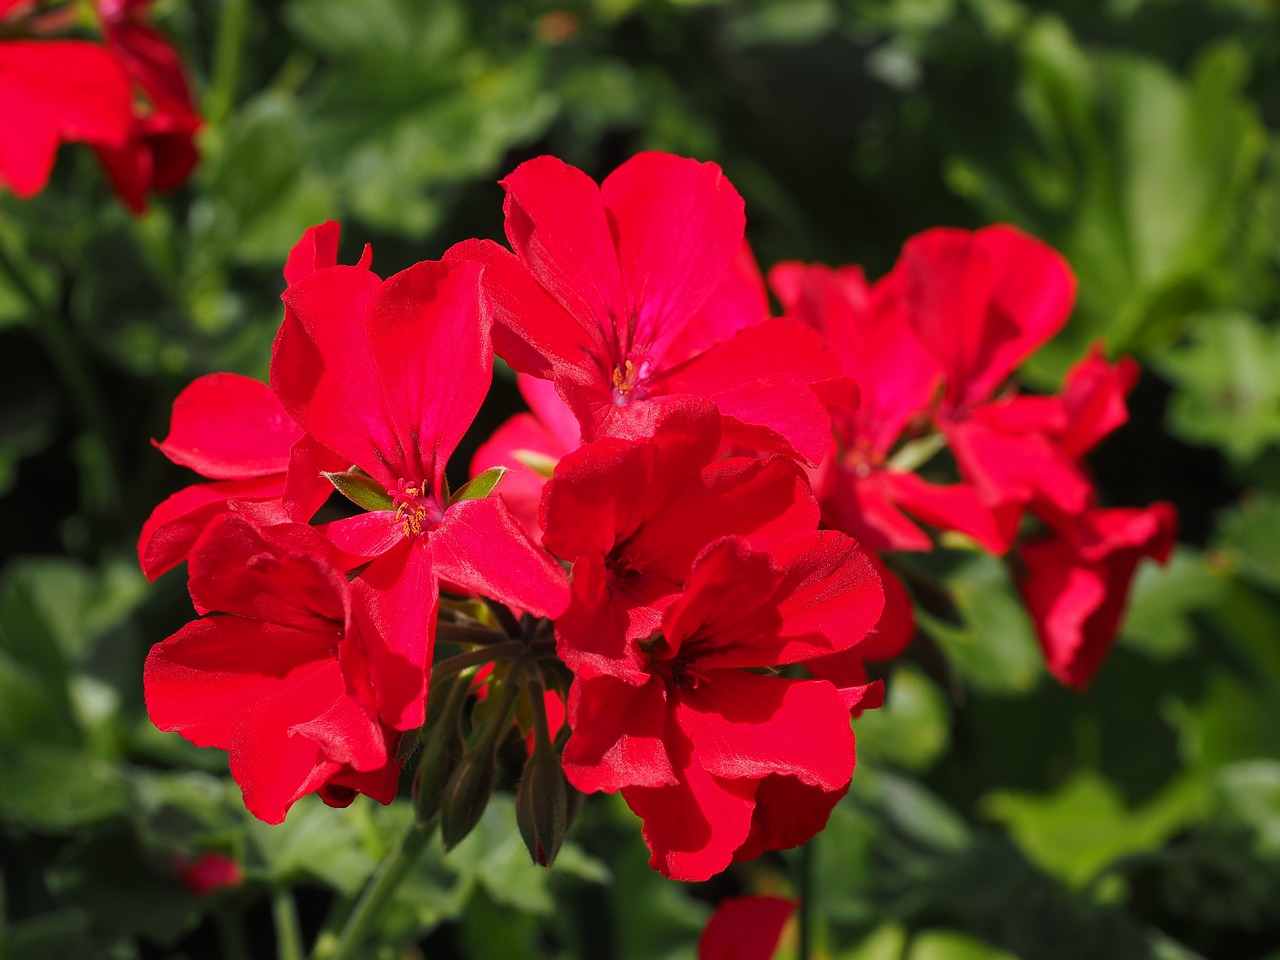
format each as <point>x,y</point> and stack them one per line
<point>605,281</point>
<point>691,747</point>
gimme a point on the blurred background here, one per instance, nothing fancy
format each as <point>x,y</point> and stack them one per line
<point>994,814</point>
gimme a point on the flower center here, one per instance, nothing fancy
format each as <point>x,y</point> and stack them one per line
<point>630,380</point>
<point>416,509</point>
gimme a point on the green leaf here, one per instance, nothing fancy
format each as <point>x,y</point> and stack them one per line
<point>315,842</point>
<point>949,945</point>
<point>1250,535</point>
<point>1227,392</point>
<point>53,789</point>
<point>994,649</point>
<point>1157,621</point>
<point>361,489</point>
<point>1249,792</point>
<point>479,487</point>
<point>59,933</point>
<point>1085,826</point>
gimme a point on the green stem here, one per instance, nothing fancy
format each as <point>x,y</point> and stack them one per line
<point>455,665</point>
<point>288,933</point>
<point>233,27</point>
<point>368,909</point>
<point>804,887</point>
<point>101,494</point>
<point>235,945</point>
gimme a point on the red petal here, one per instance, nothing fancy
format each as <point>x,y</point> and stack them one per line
<point>203,678</point>
<point>1018,468</point>
<point>1094,399</point>
<point>480,547</point>
<point>177,522</point>
<point>394,612</point>
<point>429,334</point>
<point>324,373</point>
<point>229,427</point>
<point>740,301</point>
<point>592,633</point>
<point>787,814</point>
<point>316,250</point>
<point>954,507</point>
<point>678,225</point>
<point>558,227</point>
<point>746,726</point>
<point>617,738</point>
<point>745,928</point>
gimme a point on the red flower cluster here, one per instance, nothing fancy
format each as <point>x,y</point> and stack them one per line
<point>128,97</point>
<point>703,472</point>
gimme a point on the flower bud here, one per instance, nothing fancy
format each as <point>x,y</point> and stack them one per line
<point>542,806</point>
<point>443,751</point>
<point>466,795</point>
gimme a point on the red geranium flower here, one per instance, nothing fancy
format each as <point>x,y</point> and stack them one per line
<point>272,680</point>
<point>1076,583</point>
<point>389,375</point>
<point>613,294</point>
<point>693,745</point>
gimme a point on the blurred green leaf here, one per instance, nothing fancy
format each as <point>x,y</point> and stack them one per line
<point>52,789</point>
<point>1156,622</point>
<point>1085,826</point>
<point>1227,392</point>
<point>315,842</point>
<point>949,945</point>
<point>61,933</point>
<point>1250,535</point>
<point>1250,794</point>
<point>994,649</point>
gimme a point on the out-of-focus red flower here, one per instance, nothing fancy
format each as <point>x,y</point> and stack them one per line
<point>284,678</point>
<point>693,744</point>
<point>631,516</point>
<point>160,151</point>
<point>745,928</point>
<point>1076,582</point>
<point>861,492</point>
<point>611,286</point>
<point>51,92</point>
<point>389,375</point>
<point>206,873</point>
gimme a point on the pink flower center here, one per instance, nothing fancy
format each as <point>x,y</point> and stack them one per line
<point>416,509</point>
<point>630,380</point>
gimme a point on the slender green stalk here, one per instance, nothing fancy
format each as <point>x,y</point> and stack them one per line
<point>99,475</point>
<point>368,909</point>
<point>229,924</point>
<point>804,886</point>
<point>288,933</point>
<point>454,665</point>
<point>233,28</point>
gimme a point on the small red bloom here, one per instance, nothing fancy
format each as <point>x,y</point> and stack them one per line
<point>280,679</point>
<point>617,294</point>
<point>745,928</point>
<point>692,746</point>
<point>1076,582</point>
<point>207,873</point>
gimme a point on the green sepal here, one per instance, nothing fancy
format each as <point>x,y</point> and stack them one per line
<point>477,488</point>
<point>361,489</point>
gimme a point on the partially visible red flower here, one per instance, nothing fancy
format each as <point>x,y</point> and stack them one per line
<point>611,286</point>
<point>693,746</point>
<point>1076,582</point>
<point>160,151</point>
<point>284,677</point>
<point>389,375</point>
<point>631,516</point>
<point>207,873</point>
<point>51,92</point>
<point>529,445</point>
<point>745,928</point>
<point>868,327</point>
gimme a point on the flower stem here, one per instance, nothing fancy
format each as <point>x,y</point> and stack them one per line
<point>288,934</point>
<point>233,27</point>
<point>373,901</point>
<point>804,886</point>
<point>489,654</point>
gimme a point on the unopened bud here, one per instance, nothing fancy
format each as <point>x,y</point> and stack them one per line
<point>439,760</point>
<point>542,806</point>
<point>466,795</point>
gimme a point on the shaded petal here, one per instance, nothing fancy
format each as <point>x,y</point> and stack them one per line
<point>592,633</point>
<point>745,928</point>
<point>953,507</point>
<point>788,813</point>
<point>617,738</point>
